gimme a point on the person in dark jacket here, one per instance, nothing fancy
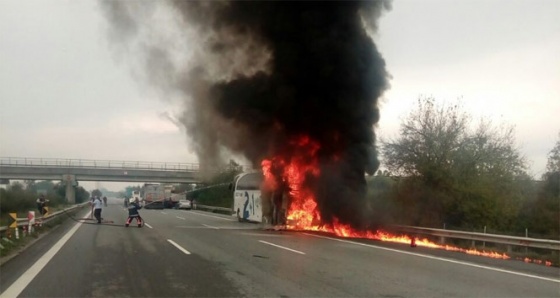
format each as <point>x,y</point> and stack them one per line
<point>41,204</point>
<point>133,208</point>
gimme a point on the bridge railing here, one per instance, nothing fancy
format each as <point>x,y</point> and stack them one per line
<point>103,164</point>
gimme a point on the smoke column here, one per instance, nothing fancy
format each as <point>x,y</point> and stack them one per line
<point>261,73</point>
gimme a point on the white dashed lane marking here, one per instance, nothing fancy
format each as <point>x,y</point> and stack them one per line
<point>179,247</point>
<point>282,247</point>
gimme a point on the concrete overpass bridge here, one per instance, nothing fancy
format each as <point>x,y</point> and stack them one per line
<point>69,171</point>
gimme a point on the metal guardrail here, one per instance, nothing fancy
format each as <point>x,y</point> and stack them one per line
<point>104,164</point>
<point>24,221</point>
<point>493,238</point>
<point>490,238</point>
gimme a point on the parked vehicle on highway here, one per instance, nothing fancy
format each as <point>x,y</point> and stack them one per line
<point>247,203</point>
<point>184,204</point>
<point>154,205</point>
<point>250,203</point>
<point>170,203</point>
<point>154,193</point>
<point>174,198</point>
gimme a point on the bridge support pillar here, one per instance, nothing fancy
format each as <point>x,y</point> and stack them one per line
<point>70,182</point>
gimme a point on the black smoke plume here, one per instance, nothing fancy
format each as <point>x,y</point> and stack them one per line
<point>260,73</point>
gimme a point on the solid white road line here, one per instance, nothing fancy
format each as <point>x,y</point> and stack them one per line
<point>21,283</point>
<point>211,227</point>
<point>163,212</point>
<point>439,259</point>
<point>147,225</point>
<point>282,247</point>
<point>212,216</point>
<point>180,217</point>
<point>179,247</point>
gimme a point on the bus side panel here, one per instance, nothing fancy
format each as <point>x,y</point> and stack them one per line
<point>247,204</point>
<point>238,201</point>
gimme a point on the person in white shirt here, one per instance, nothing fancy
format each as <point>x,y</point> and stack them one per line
<point>97,205</point>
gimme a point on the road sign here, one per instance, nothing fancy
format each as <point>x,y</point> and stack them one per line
<point>31,217</point>
<point>14,216</point>
<point>46,211</point>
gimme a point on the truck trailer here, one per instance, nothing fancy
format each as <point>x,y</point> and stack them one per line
<point>154,196</point>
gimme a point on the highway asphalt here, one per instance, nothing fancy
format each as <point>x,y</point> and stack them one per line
<point>181,253</point>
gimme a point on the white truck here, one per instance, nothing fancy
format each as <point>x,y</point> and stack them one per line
<point>154,196</point>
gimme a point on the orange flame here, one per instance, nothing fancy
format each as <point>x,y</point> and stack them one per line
<point>303,213</point>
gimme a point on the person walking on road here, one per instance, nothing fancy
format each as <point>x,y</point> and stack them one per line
<point>133,208</point>
<point>97,205</point>
<point>105,201</point>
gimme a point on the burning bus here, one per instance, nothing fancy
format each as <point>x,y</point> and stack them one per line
<point>254,202</point>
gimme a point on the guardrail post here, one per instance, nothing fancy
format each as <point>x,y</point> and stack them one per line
<point>526,236</point>
<point>473,244</point>
<point>442,239</point>
<point>484,242</point>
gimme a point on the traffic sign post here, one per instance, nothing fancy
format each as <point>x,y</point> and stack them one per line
<point>14,224</point>
<point>14,217</point>
<point>31,219</point>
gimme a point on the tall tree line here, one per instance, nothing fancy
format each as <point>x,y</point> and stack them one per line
<point>443,168</point>
<point>21,197</point>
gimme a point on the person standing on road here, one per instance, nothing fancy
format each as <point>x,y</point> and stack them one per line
<point>133,208</point>
<point>97,205</point>
<point>91,204</point>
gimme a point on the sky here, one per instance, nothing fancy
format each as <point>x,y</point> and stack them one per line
<point>66,93</point>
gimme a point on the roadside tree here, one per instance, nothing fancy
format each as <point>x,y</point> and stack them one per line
<point>454,174</point>
<point>216,190</point>
<point>543,218</point>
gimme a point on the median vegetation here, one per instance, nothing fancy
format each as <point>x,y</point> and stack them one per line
<point>216,191</point>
